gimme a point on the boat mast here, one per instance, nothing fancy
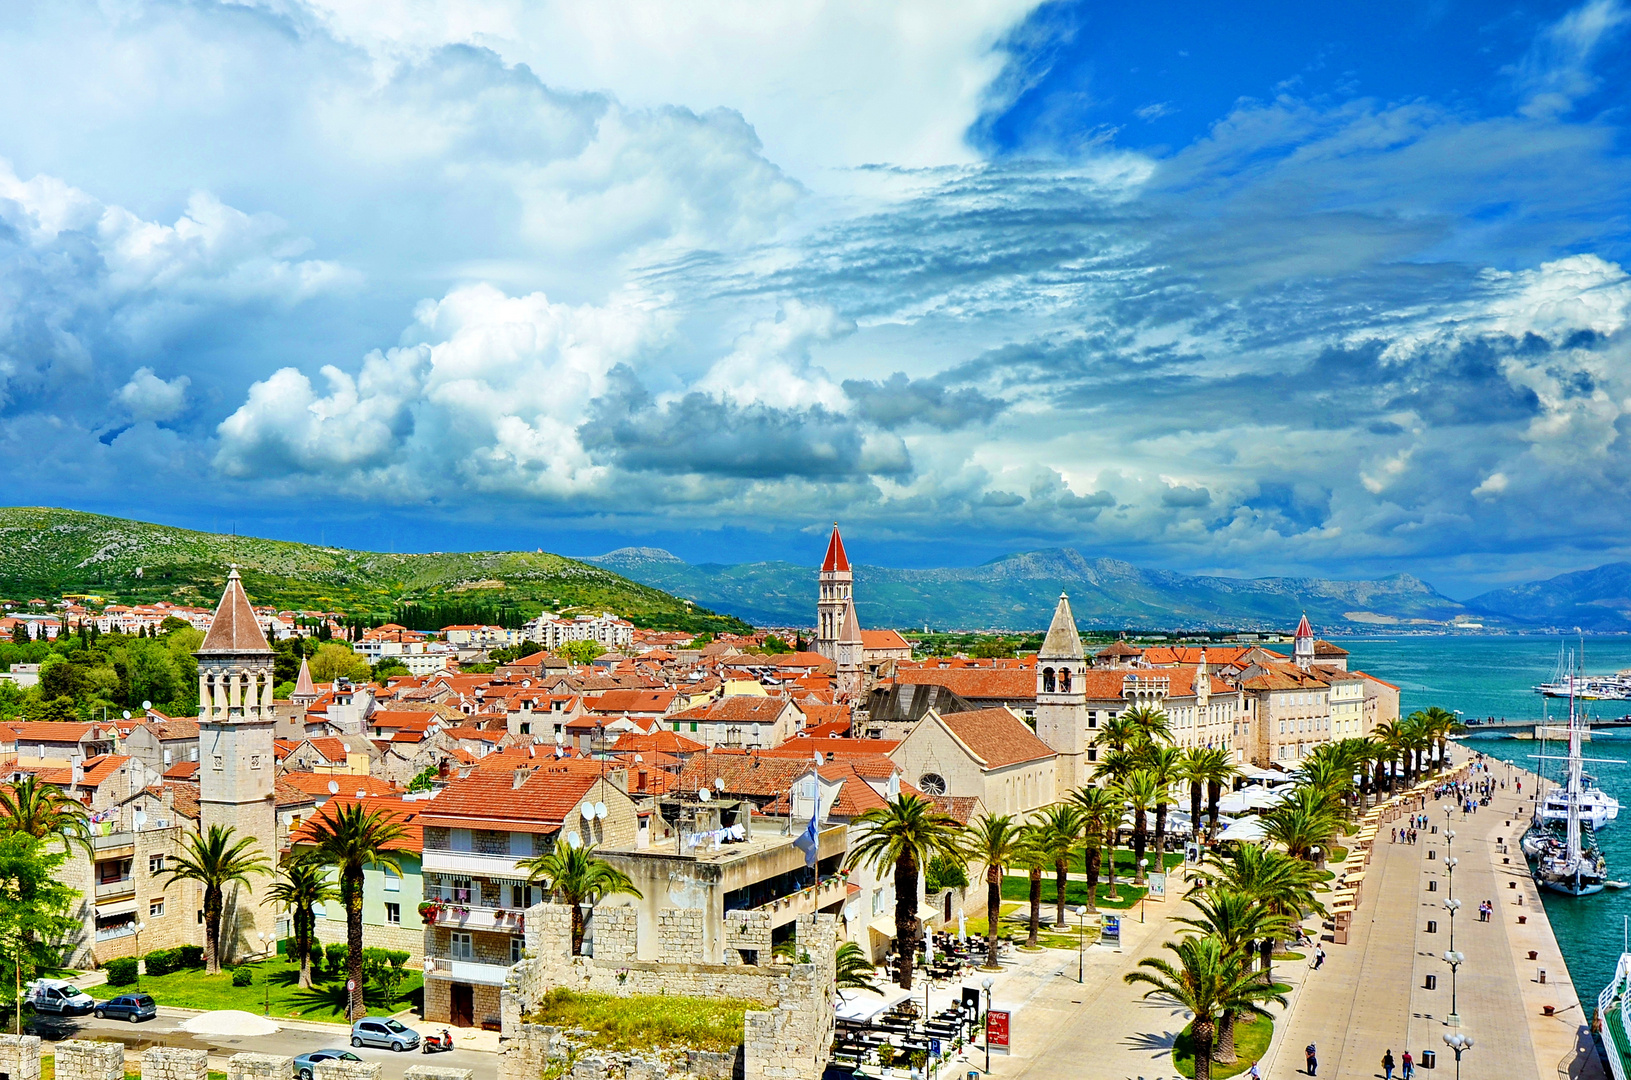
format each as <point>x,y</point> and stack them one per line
<point>1574,785</point>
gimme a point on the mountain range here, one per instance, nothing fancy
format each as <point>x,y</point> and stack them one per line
<point>1019,592</point>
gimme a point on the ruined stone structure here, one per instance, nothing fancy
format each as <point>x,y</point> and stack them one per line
<point>236,764</point>
<point>788,1040</point>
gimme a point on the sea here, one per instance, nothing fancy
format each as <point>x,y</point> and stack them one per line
<point>1495,677</point>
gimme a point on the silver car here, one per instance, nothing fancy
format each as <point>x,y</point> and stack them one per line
<point>385,1032</point>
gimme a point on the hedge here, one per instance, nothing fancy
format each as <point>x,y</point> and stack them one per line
<point>121,970</point>
<point>244,976</point>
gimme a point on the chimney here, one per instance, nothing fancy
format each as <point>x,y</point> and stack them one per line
<point>521,775</point>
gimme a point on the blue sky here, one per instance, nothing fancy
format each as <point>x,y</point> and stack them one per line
<point>1253,288</point>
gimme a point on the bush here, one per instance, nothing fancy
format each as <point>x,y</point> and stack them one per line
<point>243,976</point>
<point>163,961</point>
<point>335,957</point>
<point>121,970</point>
<point>192,956</point>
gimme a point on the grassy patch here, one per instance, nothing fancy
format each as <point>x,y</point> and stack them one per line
<point>1251,1040</point>
<point>326,1000</point>
<point>1337,853</point>
<point>647,1021</point>
<point>1125,863</point>
<point>1018,887</point>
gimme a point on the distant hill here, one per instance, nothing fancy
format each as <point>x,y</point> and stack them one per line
<point>47,552</point>
<point>1597,600</point>
<point>1019,592</point>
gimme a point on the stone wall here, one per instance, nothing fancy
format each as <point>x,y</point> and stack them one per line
<point>343,1070</point>
<point>78,1059</point>
<point>438,1072</point>
<point>679,935</point>
<point>747,937</point>
<point>174,1063</point>
<point>259,1067</point>
<point>616,933</point>
<point>20,1057</point>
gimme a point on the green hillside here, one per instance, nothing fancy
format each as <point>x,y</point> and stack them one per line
<point>46,552</point>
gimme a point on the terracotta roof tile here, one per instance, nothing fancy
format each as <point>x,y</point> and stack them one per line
<point>234,628</point>
<point>998,736</point>
<point>405,814</point>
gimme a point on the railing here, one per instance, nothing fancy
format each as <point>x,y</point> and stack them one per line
<point>469,971</point>
<point>106,890</point>
<point>116,932</point>
<point>477,917</point>
<point>806,900</point>
<point>113,840</point>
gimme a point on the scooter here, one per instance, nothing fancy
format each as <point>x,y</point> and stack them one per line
<point>435,1044</point>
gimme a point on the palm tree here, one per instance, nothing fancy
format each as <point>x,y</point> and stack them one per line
<point>1305,821</point>
<point>1192,771</point>
<point>1209,983</point>
<point>575,876</point>
<point>1417,740</point>
<point>1441,724</point>
<point>41,810</point>
<point>1100,810</point>
<point>854,969</point>
<point>1149,722</point>
<point>996,841</point>
<point>1164,763</point>
<point>1033,857</point>
<point>1119,732</point>
<point>1238,920</point>
<point>215,860</point>
<point>906,834</point>
<point>1390,737</point>
<point>1281,883</point>
<point>1140,791</point>
<point>304,885</point>
<point>1216,768</point>
<point>1059,827</point>
<point>348,839</point>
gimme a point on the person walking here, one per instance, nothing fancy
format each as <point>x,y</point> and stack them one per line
<point>1319,957</point>
<point>1408,1066</point>
<point>1313,1060</point>
<point>1387,1064</point>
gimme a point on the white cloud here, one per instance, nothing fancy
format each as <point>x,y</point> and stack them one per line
<point>1557,70</point>
<point>770,364</point>
<point>148,397</point>
<point>1494,484</point>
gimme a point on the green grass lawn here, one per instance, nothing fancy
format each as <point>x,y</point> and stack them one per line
<point>1251,1040</point>
<point>646,1021</point>
<point>1125,862</point>
<point>1018,887</point>
<point>326,1000</point>
<point>1337,853</point>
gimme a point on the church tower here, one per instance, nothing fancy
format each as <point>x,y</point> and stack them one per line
<point>236,766</point>
<point>1061,698</point>
<point>836,587</point>
<point>1302,648</point>
<point>850,655</point>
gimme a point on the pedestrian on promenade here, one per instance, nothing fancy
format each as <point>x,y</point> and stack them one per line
<point>1254,1074</point>
<point>1393,836</point>
<point>1387,1064</point>
<point>1319,957</point>
<point>1313,1060</point>
<point>1409,1066</point>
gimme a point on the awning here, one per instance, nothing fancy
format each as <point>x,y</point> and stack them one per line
<point>117,907</point>
<point>883,925</point>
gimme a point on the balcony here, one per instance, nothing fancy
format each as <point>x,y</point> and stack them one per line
<point>505,920</point>
<point>113,890</point>
<point>465,971</point>
<point>110,843</point>
<point>108,934</point>
<point>806,901</point>
<point>470,864</point>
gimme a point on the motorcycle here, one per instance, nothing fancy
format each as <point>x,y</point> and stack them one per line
<point>436,1044</point>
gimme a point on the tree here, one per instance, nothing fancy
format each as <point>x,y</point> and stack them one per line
<point>1440,725</point>
<point>424,779</point>
<point>348,839</point>
<point>387,668</point>
<point>1282,883</point>
<point>1139,791</point>
<point>215,860</point>
<point>1305,821</point>
<point>774,646</point>
<point>42,810</point>
<point>581,652</point>
<point>1163,763</point>
<point>1059,829</point>
<point>907,833</point>
<point>334,660</point>
<point>1211,767</point>
<point>1238,920</point>
<point>304,885</point>
<point>1033,857</point>
<point>34,909</point>
<point>576,877</point>
<point>386,972</point>
<point>995,841</point>
<point>1101,815</point>
<point>1207,982</point>
<point>1148,723</point>
<point>854,970</point>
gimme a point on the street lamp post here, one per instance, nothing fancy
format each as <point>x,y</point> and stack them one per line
<point>1459,1043</point>
<point>266,984</point>
<point>1143,872</point>
<point>1081,940</point>
<point>985,984</point>
<point>1454,959</point>
<point>1452,905</point>
<point>139,928</point>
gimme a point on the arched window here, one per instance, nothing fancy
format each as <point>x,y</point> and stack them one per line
<point>1064,680</point>
<point>931,784</point>
<point>1047,680</point>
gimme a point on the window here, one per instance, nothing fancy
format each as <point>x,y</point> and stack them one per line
<point>200,916</point>
<point>931,784</point>
<point>393,880</point>
<point>461,947</point>
<point>254,761</point>
<point>393,914</point>
<point>155,864</point>
<point>219,763</point>
<point>155,908</point>
<point>526,729</point>
<point>693,725</point>
<point>516,945</point>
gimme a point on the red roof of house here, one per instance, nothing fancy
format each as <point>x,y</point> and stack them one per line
<point>491,799</point>
<point>997,736</point>
<point>738,708</point>
<point>234,627</point>
<point>976,684</point>
<point>317,784</point>
<point>883,639</point>
<point>182,770</point>
<point>805,746</point>
<point>632,701</point>
<point>662,741</point>
<point>405,814</point>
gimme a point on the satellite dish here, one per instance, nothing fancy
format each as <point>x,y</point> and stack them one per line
<point>573,840</point>
<point>817,756</point>
<point>127,714</point>
<point>532,751</point>
<point>346,747</point>
<point>600,811</point>
<point>147,704</point>
<point>333,787</point>
<point>639,759</point>
<point>703,795</point>
<point>588,811</point>
<point>560,737</point>
<point>361,794</point>
<point>719,783</point>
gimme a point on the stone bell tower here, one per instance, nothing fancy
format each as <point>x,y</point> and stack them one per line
<point>1061,698</point>
<point>236,768</point>
<point>835,586</point>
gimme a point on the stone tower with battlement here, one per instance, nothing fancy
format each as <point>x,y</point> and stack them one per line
<point>1061,698</point>
<point>835,591</point>
<point>849,654</point>
<point>236,768</point>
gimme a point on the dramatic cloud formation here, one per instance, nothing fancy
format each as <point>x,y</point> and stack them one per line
<point>983,275</point>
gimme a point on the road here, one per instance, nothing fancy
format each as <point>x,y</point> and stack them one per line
<point>292,1039</point>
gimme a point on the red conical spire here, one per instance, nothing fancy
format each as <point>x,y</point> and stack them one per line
<point>1304,630</point>
<point>836,560</point>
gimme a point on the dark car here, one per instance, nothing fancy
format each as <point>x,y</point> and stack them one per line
<point>303,1063</point>
<point>132,1007</point>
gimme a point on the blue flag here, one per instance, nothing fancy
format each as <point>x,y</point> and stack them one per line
<point>806,841</point>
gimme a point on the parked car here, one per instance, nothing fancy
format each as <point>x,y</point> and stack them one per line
<point>59,998</point>
<point>383,1031</point>
<point>303,1062</point>
<point>132,1007</point>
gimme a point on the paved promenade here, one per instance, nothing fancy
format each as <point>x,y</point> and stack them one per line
<point>1371,994</point>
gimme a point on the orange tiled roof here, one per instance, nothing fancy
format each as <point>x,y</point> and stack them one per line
<point>997,736</point>
<point>405,814</point>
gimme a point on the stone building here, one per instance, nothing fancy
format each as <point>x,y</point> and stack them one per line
<point>834,591</point>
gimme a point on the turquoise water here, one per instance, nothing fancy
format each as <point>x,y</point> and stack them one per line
<point>1492,676</point>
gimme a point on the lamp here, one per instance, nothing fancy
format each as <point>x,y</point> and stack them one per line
<point>1143,868</point>
<point>1452,905</point>
<point>1459,1043</point>
<point>140,926</point>
<point>985,984</point>
<point>1081,940</point>
<point>1455,960</point>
